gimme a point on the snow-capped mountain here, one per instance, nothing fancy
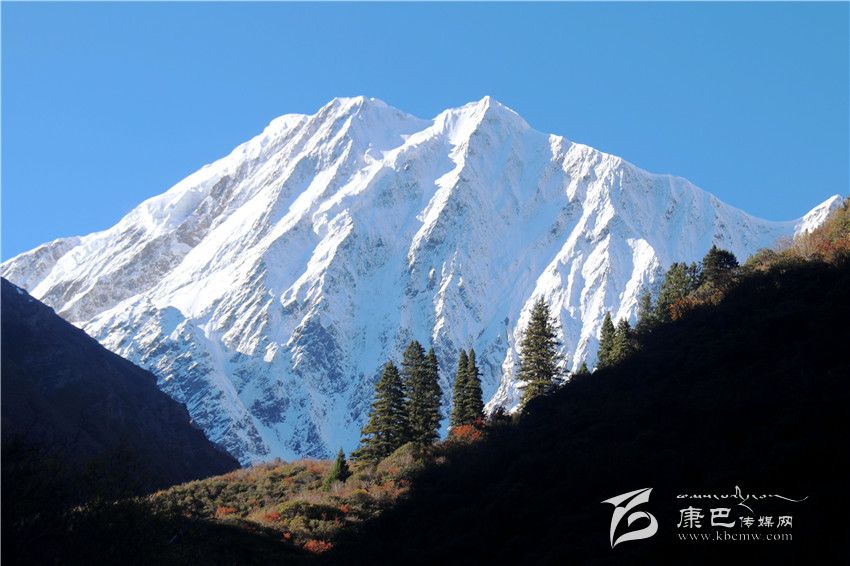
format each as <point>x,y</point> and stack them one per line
<point>267,289</point>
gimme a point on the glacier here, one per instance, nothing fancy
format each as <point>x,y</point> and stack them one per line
<point>266,289</point>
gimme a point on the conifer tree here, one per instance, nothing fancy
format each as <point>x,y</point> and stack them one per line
<point>679,281</point>
<point>717,267</point>
<point>622,347</point>
<point>413,376</point>
<point>459,391</point>
<point>434,400</point>
<point>473,403</point>
<point>420,376</point>
<point>338,472</point>
<point>606,342</point>
<point>386,429</point>
<point>582,370</point>
<point>646,314</point>
<point>538,353</point>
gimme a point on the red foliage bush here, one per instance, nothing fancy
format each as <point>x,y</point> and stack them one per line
<point>466,433</point>
<point>272,517</point>
<point>317,546</point>
<point>224,511</point>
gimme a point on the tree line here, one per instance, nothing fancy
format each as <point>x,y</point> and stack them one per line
<point>407,403</point>
<point>684,286</point>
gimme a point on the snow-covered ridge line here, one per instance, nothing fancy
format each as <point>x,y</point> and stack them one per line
<point>267,288</point>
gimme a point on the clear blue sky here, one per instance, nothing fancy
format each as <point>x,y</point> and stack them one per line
<point>104,105</point>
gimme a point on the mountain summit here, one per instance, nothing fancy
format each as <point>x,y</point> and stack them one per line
<point>267,288</point>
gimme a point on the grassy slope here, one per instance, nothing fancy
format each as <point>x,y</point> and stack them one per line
<point>271,513</point>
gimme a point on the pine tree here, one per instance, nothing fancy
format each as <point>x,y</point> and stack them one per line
<point>718,265</point>
<point>538,353</point>
<point>679,281</point>
<point>386,429</point>
<point>622,347</point>
<point>412,376</point>
<point>606,342</point>
<point>582,370</point>
<point>646,314</point>
<point>459,391</point>
<point>338,472</point>
<point>420,376</point>
<point>473,403</point>
<point>434,400</point>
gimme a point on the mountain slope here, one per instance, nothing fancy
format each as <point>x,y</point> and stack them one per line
<point>267,288</point>
<point>750,393</point>
<point>99,418</point>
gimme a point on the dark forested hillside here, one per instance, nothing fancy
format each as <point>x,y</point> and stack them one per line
<point>751,392</point>
<point>80,422</point>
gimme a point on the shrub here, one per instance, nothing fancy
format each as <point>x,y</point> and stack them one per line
<point>317,546</point>
<point>466,433</point>
<point>224,511</point>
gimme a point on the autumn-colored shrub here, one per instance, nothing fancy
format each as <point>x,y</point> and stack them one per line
<point>680,307</point>
<point>317,546</point>
<point>466,433</point>
<point>224,511</point>
<point>315,467</point>
<point>287,497</point>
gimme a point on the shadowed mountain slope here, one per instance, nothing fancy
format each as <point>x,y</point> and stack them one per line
<point>752,393</point>
<point>93,422</point>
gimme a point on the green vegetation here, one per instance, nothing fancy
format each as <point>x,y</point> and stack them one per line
<point>606,342</point>
<point>538,353</point>
<point>387,428</point>
<point>459,390</point>
<point>743,386</point>
<point>582,370</point>
<point>422,394</point>
<point>467,402</point>
<point>302,501</point>
<point>406,407</point>
<point>339,471</point>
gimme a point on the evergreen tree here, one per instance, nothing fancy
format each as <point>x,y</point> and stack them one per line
<point>679,281</point>
<point>459,391</point>
<point>386,429</point>
<point>646,314</point>
<point>433,400</point>
<point>420,376</point>
<point>538,353</point>
<point>606,342</point>
<point>338,472</point>
<point>623,346</point>
<point>582,370</point>
<point>718,265</point>
<point>412,376</point>
<point>473,404</point>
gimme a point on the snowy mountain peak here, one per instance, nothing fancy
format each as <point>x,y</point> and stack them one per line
<point>817,215</point>
<point>267,288</point>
